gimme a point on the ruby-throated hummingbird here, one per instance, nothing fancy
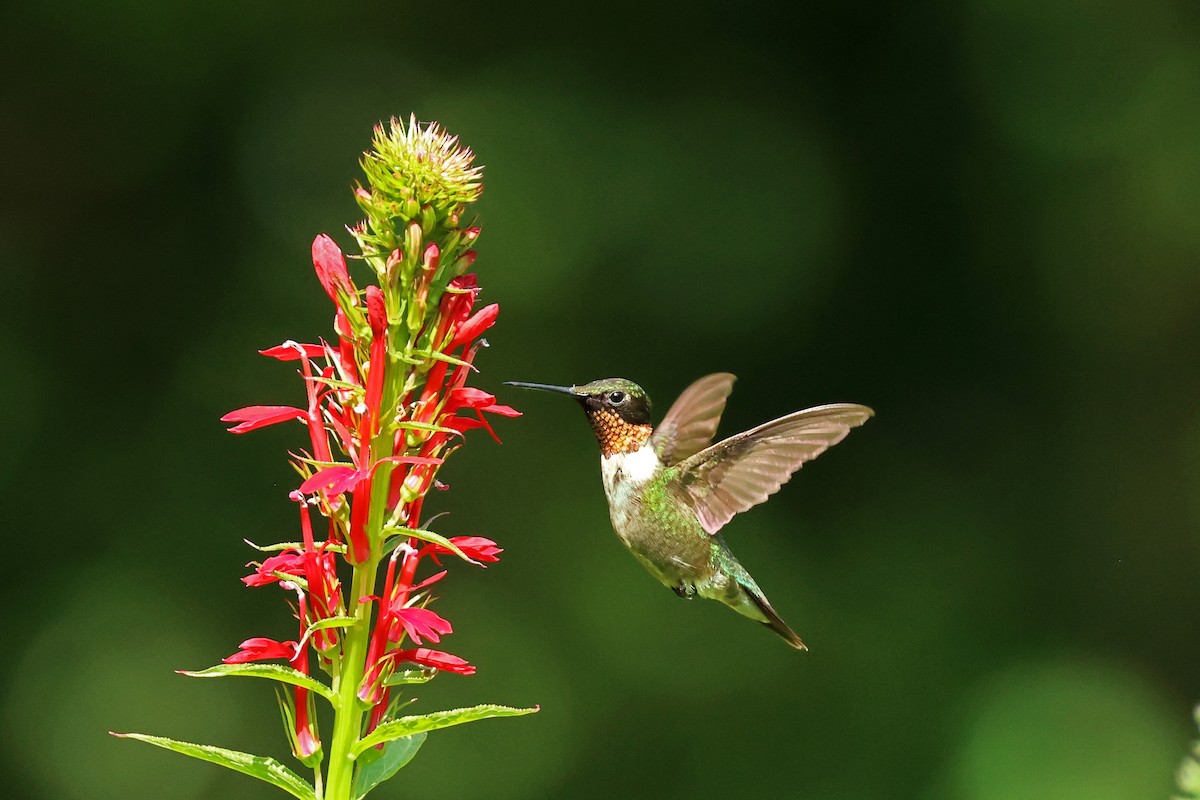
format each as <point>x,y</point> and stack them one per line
<point>670,491</point>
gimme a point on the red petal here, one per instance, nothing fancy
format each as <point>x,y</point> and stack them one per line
<point>434,578</point>
<point>260,648</point>
<point>421,623</point>
<point>432,256</point>
<point>461,424</point>
<point>486,426</point>
<point>504,411</point>
<point>468,397</point>
<point>334,480</point>
<point>306,743</point>
<point>437,659</point>
<point>330,266</point>
<point>479,548</point>
<point>292,351</point>
<point>477,324</point>
<point>254,417</point>
<point>290,562</point>
<point>376,311</point>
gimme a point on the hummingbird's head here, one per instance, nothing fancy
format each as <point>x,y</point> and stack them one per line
<point>618,411</point>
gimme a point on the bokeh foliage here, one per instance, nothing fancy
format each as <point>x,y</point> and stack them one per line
<point>979,218</point>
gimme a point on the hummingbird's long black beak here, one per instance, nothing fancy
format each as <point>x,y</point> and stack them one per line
<point>544,387</point>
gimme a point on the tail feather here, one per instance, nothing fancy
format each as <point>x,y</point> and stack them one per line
<point>734,587</point>
<point>773,620</point>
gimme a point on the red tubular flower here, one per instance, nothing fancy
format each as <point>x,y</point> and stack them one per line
<point>477,324</point>
<point>316,426</point>
<point>377,317</point>
<point>331,270</point>
<point>324,588</point>
<point>456,305</point>
<point>418,623</point>
<point>288,562</point>
<point>307,743</point>
<point>480,402</point>
<point>436,659</point>
<point>476,548</point>
<point>255,417</point>
<point>372,689</point>
<point>396,592</point>
<point>360,545</point>
<point>261,649</point>
<point>293,351</point>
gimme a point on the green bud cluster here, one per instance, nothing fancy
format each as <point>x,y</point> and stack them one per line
<point>415,173</point>
<point>419,184</point>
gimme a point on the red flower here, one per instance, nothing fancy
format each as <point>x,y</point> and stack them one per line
<point>293,351</point>
<point>289,562</point>
<point>436,659</point>
<point>476,548</point>
<point>307,743</point>
<point>477,400</point>
<point>417,623</point>
<point>254,417</point>
<point>460,298</point>
<point>305,739</point>
<point>477,324</point>
<point>331,269</point>
<point>262,649</point>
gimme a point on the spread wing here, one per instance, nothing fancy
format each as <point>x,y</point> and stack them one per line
<point>690,424</point>
<point>744,470</point>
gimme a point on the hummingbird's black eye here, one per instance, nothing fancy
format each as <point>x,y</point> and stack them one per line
<point>616,398</point>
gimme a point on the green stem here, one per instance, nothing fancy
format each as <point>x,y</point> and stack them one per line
<point>347,719</point>
<point>348,716</point>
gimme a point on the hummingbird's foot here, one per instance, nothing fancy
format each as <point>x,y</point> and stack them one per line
<point>685,590</point>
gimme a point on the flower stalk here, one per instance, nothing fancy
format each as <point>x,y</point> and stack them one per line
<point>387,402</point>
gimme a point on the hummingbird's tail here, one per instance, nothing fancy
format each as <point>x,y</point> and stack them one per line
<point>773,620</point>
<point>735,588</point>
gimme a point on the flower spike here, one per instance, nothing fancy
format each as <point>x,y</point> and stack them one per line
<point>386,402</point>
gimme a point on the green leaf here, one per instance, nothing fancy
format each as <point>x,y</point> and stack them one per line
<point>427,536</point>
<point>395,755</point>
<point>275,672</point>
<point>261,767</point>
<point>407,726</point>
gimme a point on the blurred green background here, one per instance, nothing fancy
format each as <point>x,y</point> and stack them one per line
<point>981,218</point>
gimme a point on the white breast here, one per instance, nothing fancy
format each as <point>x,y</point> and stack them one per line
<point>639,465</point>
<point>623,471</point>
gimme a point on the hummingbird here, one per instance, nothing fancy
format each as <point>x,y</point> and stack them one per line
<point>670,490</point>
